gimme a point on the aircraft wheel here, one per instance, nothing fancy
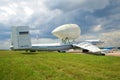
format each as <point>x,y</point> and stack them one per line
<point>61,51</point>
<point>32,51</point>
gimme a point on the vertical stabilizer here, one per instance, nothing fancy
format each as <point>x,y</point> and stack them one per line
<point>20,38</point>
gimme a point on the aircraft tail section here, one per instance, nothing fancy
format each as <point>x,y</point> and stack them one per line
<point>20,38</point>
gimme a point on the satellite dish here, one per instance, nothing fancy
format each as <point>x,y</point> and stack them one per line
<point>67,32</point>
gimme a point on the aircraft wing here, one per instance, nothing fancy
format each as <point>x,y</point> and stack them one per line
<point>88,46</point>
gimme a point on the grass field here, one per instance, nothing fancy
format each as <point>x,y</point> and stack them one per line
<point>57,66</point>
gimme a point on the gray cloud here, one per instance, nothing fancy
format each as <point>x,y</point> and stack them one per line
<point>68,5</point>
<point>46,15</point>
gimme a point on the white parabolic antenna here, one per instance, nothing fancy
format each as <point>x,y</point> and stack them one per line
<point>69,31</point>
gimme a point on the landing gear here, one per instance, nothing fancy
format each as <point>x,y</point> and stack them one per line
<point>30,51</point>
<point>85,51</point>
<point>61,51</point>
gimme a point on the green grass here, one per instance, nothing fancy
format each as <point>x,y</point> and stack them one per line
<point>57,66</point>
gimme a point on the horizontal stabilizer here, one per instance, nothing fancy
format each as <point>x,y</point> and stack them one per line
<point>88,46</point>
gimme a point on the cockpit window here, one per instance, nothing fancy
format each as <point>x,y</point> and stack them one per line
<point>21,33</point>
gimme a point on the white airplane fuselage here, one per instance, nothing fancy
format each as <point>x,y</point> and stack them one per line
<point>51,47</point>
<point>47,47</point>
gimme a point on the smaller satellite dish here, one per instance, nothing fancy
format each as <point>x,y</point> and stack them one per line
<point>69,31</point>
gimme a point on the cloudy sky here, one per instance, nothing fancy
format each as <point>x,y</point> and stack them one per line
<point>98,19</point>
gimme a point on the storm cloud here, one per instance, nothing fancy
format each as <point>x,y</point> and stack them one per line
<point>95,17</point>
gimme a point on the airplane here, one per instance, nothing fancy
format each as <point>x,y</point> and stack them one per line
<point>109,49</point>
<point>95,41</point>
<point>20,40</point>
